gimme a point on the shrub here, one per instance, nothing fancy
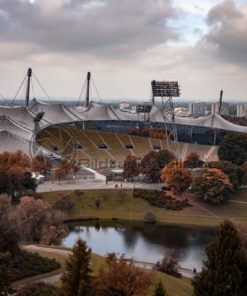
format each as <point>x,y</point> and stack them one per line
<point>28,264</point>
<point>78,193</point>
<point>97,203</point>
<point>168,265</point>
<point>39,289</point>
<point>64,203</point>
<point>150,217</point>
<point>160,199</point>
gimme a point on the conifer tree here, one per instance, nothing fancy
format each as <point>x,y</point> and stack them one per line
<point>224,272</point>
<point>159,290</point>
<point>77,279</point>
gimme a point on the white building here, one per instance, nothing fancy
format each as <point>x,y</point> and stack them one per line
<point>242,110</point>
<point>124,106</point>
<point>197,109</point>
<point>224,108</point>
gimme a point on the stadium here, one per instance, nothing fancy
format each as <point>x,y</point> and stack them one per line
<point>99,132</point>
<point>98,135</point>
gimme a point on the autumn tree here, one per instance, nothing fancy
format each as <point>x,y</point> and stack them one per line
<point>153,162</point>
<point>41,164</point>
<point>130,167</point>
<point>230,169</point>
<point>75,167</point>
<point>17,159</point>
<point>225,268</point>
<point>164,157</point>
<point>233,148</point>
<point>63,169</point>
<point>193,161</point>
<point>212,185</point>
<point>15,177</point>
<point>37,222</point>
<point>122,278</point>
<point>176,176</point>
<point>77,278</point>
<point>150,167</point>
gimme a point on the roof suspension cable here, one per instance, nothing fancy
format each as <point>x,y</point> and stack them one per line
<point>41,86</point>
<point>32,88</point>
<point>81,93</point>
<point>97,92</point>
<point>18,90</point>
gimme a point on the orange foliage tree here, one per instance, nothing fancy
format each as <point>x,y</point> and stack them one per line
<point>41,164</point>
<point>17,159</point>
<point>15,177</point>
<point>122,278</point>
<point>176,176</point>
<point>130,167</point>
<point>212,185</point>
<point>63,169</point>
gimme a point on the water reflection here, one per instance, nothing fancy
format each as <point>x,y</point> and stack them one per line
<point>144,242</point>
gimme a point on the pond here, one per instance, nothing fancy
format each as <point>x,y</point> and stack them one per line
<point>142,242</point>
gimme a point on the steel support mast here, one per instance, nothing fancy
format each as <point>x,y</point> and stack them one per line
<point>166,90</point>
<point>29,75</point>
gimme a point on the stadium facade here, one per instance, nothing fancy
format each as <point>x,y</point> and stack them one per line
<point>18,127</point>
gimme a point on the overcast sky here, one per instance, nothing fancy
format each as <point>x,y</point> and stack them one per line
<point>125,44</point>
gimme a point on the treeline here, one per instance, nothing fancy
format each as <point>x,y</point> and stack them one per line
<point>212,181</point>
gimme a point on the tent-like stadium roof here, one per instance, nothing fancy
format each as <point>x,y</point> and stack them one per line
<point>17,123</point>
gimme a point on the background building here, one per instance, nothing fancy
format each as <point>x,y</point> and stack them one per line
<point>224,108</point>
<point>197,109</point>
<point>242,110</point>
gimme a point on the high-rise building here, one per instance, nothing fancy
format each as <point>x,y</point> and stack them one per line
<point>224,108</point>
<point>197,109</point>
<point>242,110</point>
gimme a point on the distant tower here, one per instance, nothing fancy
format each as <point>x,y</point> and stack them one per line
<point>220,103</point>
<point>166,90</point>
<point>88,88</point>
<point>29,75</point>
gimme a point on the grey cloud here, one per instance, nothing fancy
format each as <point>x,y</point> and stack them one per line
<point>223,12</point>
<point>227,38</point>
<point>112,27</point>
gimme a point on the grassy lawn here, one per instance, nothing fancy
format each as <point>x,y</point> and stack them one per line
<point>113,205</point>
<point>174,286</point>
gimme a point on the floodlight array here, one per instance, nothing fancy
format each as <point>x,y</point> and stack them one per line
<point>143,108</point>
<point>165,88</point>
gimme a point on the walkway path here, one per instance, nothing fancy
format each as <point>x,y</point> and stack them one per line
<point>93,184</point>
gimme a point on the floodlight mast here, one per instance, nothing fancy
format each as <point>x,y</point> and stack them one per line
<point>88,88</point>
<point>220,103</point>
<point>166,90</point>
<point>29,75</point>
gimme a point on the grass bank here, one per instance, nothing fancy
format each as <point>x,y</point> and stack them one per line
<point>125,207</point>
<point>174,286</point>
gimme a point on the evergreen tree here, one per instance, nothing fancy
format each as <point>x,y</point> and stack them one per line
<point>159,290</point>
<point>224,272</point>
<point>77,279</point>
